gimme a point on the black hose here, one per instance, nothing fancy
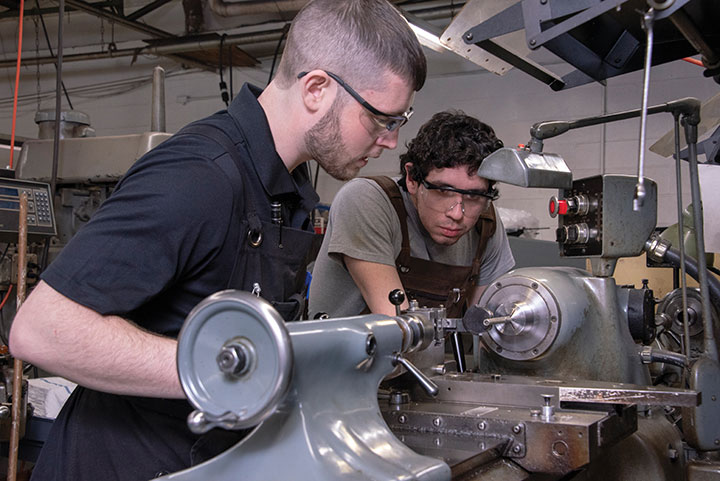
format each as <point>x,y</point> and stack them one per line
<point>691,266</point>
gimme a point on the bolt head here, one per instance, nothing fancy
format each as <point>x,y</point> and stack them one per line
<point>402,419</point>
<point>517,428</point>
<point>437,422</point>
<point>231,359</point>
<point>517,448</point>
<point>482,425</point>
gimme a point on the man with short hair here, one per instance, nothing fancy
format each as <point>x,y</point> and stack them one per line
<point>433,232</point>
<point>193,217</point>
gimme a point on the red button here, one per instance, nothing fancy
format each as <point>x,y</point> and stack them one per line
<point>558,206</point>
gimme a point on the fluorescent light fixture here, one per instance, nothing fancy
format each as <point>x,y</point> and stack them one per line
<point>427,34</point>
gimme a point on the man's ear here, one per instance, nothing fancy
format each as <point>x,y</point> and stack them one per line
<point>412,186</point>
<point>317,90</point>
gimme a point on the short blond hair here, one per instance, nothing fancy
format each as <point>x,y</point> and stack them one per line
<point>355,39</point>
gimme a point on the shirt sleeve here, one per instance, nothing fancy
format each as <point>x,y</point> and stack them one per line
<point>497,258</point>
<point>163,223</point>
<point>364,223</point>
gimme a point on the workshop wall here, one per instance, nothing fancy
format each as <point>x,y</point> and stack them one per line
<point>511,104</point>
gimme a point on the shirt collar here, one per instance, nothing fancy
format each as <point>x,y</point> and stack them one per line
<point>250,118</point>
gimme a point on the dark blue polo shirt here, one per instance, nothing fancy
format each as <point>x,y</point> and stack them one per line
<point>159,245</point>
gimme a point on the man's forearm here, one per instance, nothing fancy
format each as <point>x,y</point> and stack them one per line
<point>105,353</point>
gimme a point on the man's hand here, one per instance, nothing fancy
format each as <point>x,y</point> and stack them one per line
<point>105,353</point>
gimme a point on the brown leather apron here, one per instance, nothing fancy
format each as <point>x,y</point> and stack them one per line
<point>433,284</point>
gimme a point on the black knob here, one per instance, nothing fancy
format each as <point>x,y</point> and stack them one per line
<point>572,234</point>
<point>560,235</point>
<point>396,297</point>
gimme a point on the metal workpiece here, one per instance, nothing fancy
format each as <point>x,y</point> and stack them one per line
<point>569,321</point>
<point>530,392</point>
<point>326,423</point>
<point>524,168</point>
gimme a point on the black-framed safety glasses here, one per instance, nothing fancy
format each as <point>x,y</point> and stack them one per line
<point>386,121</point>
<point>444,198</point>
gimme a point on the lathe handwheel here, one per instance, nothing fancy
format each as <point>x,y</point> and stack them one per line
<point>235,358</point>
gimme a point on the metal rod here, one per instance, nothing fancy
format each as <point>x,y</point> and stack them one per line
<point>681,246</point>
<point>458,351</point>
<point>639,197</point>
<point>157,119</point>
<point>17,363</point>
<point>181,46</point>
<point>58,102</point>
<point>691,134</point>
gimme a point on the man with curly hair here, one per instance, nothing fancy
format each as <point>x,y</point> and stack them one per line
<point>433,232</point>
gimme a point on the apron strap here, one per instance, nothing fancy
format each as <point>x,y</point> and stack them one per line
<point>233,168</point>
<point>392,190</point>
<point>486,226</point>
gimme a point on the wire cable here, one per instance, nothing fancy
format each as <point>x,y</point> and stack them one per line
<point>17,82</point>
<point>47,39</point>
<point>7,296</point>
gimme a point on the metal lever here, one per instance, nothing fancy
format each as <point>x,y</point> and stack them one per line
<point>639,196</point>
<point>396,298</point>
<point>200,422</point>
<point>429,386</point>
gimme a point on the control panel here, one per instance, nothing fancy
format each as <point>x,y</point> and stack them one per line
<point>40,214</point>
<point>596,217</point>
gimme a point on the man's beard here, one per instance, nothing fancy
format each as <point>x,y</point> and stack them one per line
<point>325,144</point>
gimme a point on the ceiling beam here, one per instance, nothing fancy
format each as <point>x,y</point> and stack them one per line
<point>146,9</point>
<point>118,19</point>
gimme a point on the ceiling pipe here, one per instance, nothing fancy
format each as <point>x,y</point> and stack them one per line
<point>240,39</point>
<point>255,7</point>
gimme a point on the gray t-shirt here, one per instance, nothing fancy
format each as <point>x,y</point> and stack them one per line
<point>364,225</point>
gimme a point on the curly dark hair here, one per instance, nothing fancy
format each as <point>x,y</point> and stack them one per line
<point>449,139</point>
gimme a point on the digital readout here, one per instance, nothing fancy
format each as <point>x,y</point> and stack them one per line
<point>9,191</point>
<point>6,204</point>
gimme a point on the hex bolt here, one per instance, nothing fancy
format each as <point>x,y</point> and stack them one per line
<point>482,425</point>
<point>437,422</point>
<point>547,409</point>
<point>232,359</point>
<point>517,448</point>
<point>402,419</point>
<point>517,429</point>
<point>468,36</point>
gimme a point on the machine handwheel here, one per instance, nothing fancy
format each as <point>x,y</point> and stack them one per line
<point>234,359</point>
